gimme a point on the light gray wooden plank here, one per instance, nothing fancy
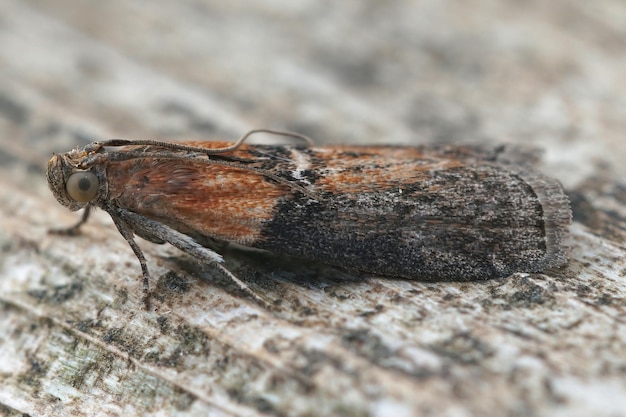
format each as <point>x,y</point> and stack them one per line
<point>74,339</point>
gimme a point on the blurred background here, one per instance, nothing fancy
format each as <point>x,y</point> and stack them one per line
<point>547,74</point>
<point>550,74</point>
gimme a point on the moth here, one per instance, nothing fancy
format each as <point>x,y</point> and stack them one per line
<point>428,212</point>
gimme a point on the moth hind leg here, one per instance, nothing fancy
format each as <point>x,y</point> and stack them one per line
<point>242,285</point>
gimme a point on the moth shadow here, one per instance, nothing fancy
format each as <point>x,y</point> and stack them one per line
<point>264,271</point>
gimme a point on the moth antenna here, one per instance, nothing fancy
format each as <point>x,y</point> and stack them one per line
<point>214,151</point>
<point>286,133</point>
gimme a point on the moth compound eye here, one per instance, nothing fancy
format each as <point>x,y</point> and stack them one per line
<point>82,186</point>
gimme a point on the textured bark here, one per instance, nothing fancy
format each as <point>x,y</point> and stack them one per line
<point>74,338</point>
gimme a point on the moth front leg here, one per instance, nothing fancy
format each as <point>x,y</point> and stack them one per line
<point>75,229</point>
<point>127,232</point>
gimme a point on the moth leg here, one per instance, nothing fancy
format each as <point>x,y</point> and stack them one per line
<point>127,233</point>
<point>157,231</point>
<point>242,285</point>
<point>149,237</point>
<point>73,230</point>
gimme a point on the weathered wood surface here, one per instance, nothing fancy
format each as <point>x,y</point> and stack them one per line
<point>74,339</point>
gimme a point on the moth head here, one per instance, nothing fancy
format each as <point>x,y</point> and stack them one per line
<point>72,187</point>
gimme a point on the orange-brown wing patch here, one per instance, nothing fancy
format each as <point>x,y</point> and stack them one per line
<point>194,197</point>
<point>366,169</point>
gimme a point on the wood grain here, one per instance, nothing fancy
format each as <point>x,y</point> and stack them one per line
<point>74,339</point>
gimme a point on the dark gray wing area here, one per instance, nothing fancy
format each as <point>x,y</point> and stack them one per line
<point>435,221</point>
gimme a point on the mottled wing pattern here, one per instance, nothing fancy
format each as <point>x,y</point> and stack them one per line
<point>431,212</point>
